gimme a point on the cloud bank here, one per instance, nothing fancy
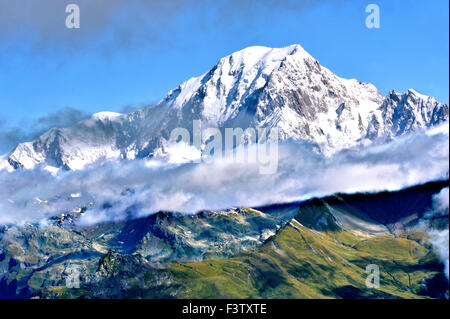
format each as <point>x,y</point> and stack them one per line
<point>139,188</point>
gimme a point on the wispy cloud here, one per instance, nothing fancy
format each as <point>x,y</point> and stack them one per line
<point>10,136</point>
<point>124,23</point>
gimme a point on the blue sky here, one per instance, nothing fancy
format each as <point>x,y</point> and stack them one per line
<point>124,55</point>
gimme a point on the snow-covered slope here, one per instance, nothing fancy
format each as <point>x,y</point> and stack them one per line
<point>260,87</point>
<point>403,113</point>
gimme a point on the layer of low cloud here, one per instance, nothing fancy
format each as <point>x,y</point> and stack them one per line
<point>139,188</point>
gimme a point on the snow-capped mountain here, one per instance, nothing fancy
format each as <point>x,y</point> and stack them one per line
<point>260,87</point>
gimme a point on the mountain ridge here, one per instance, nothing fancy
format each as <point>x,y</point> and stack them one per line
<point>260,87</point>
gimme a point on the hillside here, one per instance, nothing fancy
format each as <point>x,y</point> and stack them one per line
<point>315,249</point>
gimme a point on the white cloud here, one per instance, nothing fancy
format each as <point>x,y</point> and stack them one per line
<point>439,240</point>
<point>441,200</point>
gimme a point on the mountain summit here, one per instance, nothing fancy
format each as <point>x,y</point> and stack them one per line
<point>260,87</point>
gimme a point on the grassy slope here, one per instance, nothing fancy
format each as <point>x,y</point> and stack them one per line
<point>302,263</point>
<point>298,262</point>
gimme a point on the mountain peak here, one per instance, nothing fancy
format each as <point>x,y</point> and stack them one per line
<point>419,95</point>
<point>261,54</point>
<point>411,93</point>
<point>236,78</point>
<point>106,115</point>
<point>262,58</point>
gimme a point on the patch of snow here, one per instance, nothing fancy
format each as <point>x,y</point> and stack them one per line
<point>106,115</point>
<point>52,170</point>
